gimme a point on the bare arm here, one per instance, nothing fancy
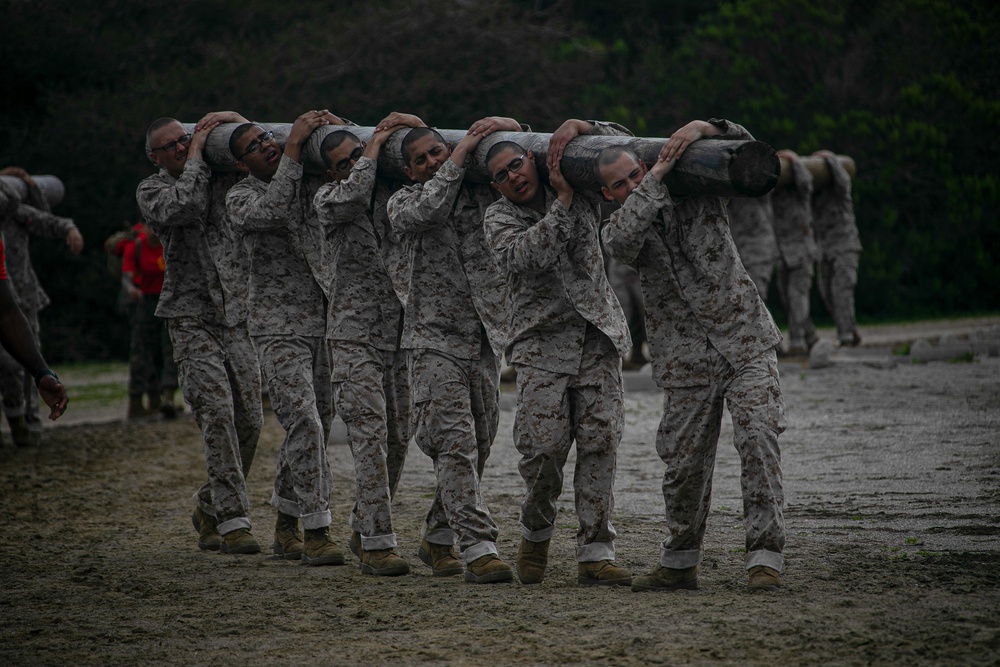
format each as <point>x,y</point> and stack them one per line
<point>18,339</point>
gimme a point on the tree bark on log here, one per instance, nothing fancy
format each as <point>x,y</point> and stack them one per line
<point>818,168</point>
<point>52,188</point>
<point>707,167</point>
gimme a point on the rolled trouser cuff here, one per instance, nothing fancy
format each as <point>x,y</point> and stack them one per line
<point>539,535</point>
<point>444,536</point>
<point>771,559</point>
<point>284,505</point>
<point>679,560</point>
<point>316,520</point>
<point>478,551</point>
<point>229,526</point>
<point>595,551</point>
<point>378,542</point>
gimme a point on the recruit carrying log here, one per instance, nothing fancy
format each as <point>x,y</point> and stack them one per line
<point>707,167</point>
<point>816,166</point>
<point>51,187</point>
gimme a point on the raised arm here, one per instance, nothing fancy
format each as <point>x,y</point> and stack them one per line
<point>523,248</point>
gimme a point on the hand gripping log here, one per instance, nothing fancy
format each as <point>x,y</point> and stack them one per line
<point>708,167</point>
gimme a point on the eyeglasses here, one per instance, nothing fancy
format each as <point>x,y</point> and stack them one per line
<point>255,146</point>
<point>512,167</point>
<point>172,145</point>
<point>345,164</point>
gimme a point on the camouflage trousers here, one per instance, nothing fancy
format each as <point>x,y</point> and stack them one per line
<point>151,366</point>
<point>837,276</point>
<point>553,411</point>
<point>456,415</point>
<point>219,376</point>
<point>687,440</point>
<point>760,274</point>
<point>794,283</point>
<point>371,393</point>
<point>20,396</point>
<point>297,372</point>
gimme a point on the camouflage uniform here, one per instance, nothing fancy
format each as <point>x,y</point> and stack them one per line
<point>371,393</point>
<point>837,237</point>
<point>794,231</point>
<point>454,326</point>
<point>204,303</point>
<point>568,336</point>
<point>151,365</point>
<point>20,397</point>
<point>712,339</point>
<point>751,220</point>
<point>286,318</point>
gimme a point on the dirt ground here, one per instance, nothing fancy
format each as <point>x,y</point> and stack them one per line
<point>892,476</point>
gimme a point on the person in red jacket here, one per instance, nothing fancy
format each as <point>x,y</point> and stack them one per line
<point>152,370</point>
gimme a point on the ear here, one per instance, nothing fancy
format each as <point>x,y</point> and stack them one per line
<point>495,186</point>
<point>242,166</point>
<point>607,194</point>
<point>409,174</point>
<point>364,144</point>
<point>531,157</point>
<point>155,159</point>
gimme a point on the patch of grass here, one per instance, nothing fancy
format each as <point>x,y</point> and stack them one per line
<point>911,541</point>
<point>724,508</point>
<point>102,393</point>
<point>966,358</point>
<point>901,349</point>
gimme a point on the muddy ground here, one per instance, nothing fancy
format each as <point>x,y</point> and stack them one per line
<point>892,475</point>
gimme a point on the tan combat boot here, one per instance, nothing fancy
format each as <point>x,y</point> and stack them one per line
<point>764,578</point>
<point>208,531</point>
<point>287,538</point>
<point>488,569</point>
<point>667,579</point>
<point>319,549</point>
<point>239,541</point>
<point>532,558</point>
<point>440,558</point>
<point>603,573</point>
<point>380,562</point>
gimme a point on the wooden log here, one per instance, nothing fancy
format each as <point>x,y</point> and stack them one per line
<point>712,167</point>
<point>817,167</point>
<point>52,188</point>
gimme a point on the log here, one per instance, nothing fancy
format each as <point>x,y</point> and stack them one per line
<point>52,188</point>
<point>817,167</point>
<point>712,167</point>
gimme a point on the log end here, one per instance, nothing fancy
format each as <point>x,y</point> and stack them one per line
<point>754,169</point>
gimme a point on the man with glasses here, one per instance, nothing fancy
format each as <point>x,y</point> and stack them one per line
<point>454,327</point>
<point>289,283</point>
<point>370,389</point>
<point>204,303</point>
<point>712,340</point>
<point>568,336</point>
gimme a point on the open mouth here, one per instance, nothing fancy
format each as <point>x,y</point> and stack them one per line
<point>521,187</point>
<point>272,156</point>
